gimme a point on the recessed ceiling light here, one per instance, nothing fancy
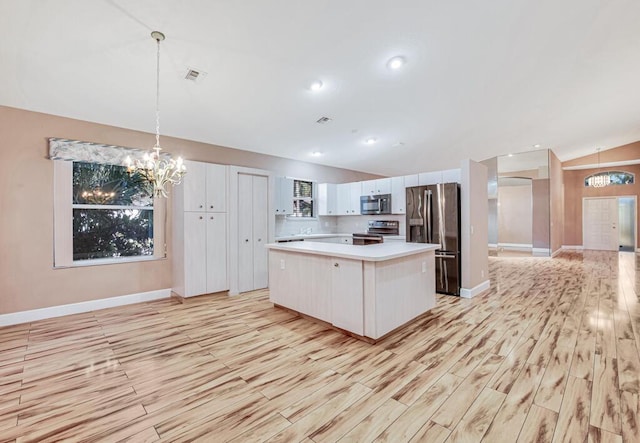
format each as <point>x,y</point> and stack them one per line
<point>510,155</point>
<point>536,146</point>
<point>370,140</point>
<point>396,62</point>
<point>317,154</point>
<point>316,86</point>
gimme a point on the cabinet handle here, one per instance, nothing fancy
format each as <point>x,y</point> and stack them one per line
<point>246,240</point>
<point>211,206</point>
<point>200,205</point>
<point>200,217</point>
<point>259,239</point>
<point>336,265</point>
<point>211,218</point>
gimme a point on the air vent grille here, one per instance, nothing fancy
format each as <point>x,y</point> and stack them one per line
<point>195,75</point>
<point>324,120</point>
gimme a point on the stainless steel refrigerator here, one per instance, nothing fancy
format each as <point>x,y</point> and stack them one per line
<point>433,216</point>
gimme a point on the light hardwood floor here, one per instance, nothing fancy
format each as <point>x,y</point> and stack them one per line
<point>550,353</point>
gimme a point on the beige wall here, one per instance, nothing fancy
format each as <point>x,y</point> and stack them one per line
<point>515,214</point>
<point>575,191</point>
<point>556,197</point>
<point>474,225</point>
<point>540,213</point>
<point>27,278</point>
<point>621,153</point>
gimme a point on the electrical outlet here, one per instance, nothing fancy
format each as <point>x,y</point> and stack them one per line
<point>282,264</point>
<point>424,266</point>
<point>482,273</point>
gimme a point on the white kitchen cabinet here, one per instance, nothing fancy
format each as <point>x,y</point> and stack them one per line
<point>429,178</point>
<point>204,187</point>
<point>283,196</point>
<point>253,222</point>
<point>398,195</point>
<point>347,299</point>
<point>200,231</point>
<point>451,176</point>
<point>376,187</point>
<point>349,198</point>
<point>411,180</point>
<point>327,199</point>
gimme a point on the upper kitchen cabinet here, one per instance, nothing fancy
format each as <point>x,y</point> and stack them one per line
<point>283,196</point>
<point>204,187</point>
<point>411,180</point>
<point>429,178</point>
<point>327,199</point>
<point>398,195</point>
<point>451,176</point>
<point>376,187</point>
<point>349,198</point>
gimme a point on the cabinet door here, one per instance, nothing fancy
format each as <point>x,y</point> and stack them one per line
<point>260,232</point>
<point>327,199</point>
<point>451,176</point>
<point>195,254</point>
<point>216,195</point>
<point>369,187</point>
<point>430,178</point>
<point>216,252</point>
<point>245,233</point>
<point>411,180</point>
<point>383,186</point>
<point>356,193</point>
<point>286,193</point>
<point>194,186</point>
<point>343,192</point>
<point>398,195</point>
<point>347,298</point>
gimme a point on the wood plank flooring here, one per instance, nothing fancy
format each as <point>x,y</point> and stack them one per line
<point>549,354</point>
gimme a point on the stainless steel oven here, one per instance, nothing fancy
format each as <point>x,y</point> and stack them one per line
<point>375,204</point>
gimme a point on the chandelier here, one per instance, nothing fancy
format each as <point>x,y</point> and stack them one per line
<point>599,180</point>
<point>158,169</point>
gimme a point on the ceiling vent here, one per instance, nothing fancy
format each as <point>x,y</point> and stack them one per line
<point>324,120</point>
<point>195,75</point>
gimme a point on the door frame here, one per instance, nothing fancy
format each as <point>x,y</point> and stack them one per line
<point>635,216</point>
<point>233,238</point>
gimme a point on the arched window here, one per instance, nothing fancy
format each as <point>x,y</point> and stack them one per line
<point>607,178</point>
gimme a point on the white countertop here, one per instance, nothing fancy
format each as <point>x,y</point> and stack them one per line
<point>313,236</point>
<point>375,252</point>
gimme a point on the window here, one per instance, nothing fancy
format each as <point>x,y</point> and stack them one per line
<point>303,198</point>
<point>112,212</point>
<point>614,178</point>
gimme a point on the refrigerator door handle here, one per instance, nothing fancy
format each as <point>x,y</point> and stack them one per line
<point>428,215</point>
<point>445,256</point>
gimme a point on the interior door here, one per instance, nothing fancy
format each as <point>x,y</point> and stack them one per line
<point>245,232</point>
<point>600,223</point>
<point>195,254</point>
<point>216,252</point>
<point>259,228</point>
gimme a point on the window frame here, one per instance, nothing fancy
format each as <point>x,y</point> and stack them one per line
<point>311,199</point>
<point>610,173</point>
<point>63,223</point>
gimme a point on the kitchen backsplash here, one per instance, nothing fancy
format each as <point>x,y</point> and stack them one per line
<point>345,224</point>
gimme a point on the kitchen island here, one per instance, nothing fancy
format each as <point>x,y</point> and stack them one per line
<point>367,291</point>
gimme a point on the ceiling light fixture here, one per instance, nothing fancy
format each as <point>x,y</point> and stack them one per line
<point>370,140</point>
<point>536,146</point>
<point>396,62</point>
<point>599,180</point>
<point>316,154</point>
<point>316,86</point>
<point>159,170</point>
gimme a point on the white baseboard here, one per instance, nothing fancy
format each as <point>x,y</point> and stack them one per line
<point>572,247</point>
<point>478,289</point>
<point>15,318</point>
<point>541,251</point>
<point>515,246</point>
<point>556,252</point>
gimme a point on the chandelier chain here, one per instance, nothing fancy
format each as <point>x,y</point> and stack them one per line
<point>158,93</point>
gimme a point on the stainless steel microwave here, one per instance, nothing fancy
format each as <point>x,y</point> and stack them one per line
<point>375,204</point>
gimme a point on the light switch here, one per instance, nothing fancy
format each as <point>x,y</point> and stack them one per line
<point>282,264</point>
<point>424,266</point>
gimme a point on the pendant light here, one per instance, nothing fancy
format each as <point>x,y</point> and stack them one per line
<point>160,170</point>
<point>599,180</point>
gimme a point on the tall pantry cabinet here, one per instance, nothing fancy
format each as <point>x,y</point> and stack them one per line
<point>200,230</point>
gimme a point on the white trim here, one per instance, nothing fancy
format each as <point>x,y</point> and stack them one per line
<point>478,289</point>
<point>515,246</point>
<point>15,318</point>
<point>541,251</point>
<point>556,252</point>
<point>602,165</point>
<point>572,247</point>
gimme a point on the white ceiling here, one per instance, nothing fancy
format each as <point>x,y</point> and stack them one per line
<point>483,78</point>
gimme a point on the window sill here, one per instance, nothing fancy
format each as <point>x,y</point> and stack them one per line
<point>108,261</point>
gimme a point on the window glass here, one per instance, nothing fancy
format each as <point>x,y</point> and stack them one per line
<point>302,198</point>
<point>615,177</point>
<point>112,213</point>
